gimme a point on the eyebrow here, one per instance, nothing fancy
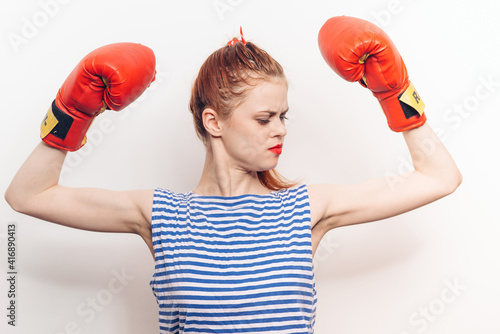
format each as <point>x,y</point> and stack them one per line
<point>272,113</point>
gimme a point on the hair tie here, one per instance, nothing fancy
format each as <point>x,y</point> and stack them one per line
<point>236,40</point>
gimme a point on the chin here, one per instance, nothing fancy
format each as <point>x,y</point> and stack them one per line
<point>262,164</point>
<point>268,167</point>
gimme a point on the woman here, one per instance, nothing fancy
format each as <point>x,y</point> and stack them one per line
<point>235,254</point>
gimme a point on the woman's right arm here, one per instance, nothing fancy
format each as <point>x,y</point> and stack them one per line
<point>35,191</point>
<point>110,77</point>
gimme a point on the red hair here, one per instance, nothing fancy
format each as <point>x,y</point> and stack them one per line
<point>222,83</point>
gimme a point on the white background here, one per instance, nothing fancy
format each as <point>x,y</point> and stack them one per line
<point>388,277</point>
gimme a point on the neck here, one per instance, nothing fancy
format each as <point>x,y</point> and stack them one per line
<point>221,178</point>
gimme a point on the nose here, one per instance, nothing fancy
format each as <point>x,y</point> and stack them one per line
<point>279,129</point>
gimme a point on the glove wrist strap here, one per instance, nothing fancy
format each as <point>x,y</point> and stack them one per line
<point>63,130</point>
<point>404,112</point>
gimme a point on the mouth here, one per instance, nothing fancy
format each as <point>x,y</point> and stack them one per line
<point>276,149</point>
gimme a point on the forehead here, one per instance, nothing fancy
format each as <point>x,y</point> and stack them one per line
<point>267,96</point>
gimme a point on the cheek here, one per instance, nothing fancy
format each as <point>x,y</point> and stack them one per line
<point>247,144</point>
<point>249,134</point>
<point>254,138</point>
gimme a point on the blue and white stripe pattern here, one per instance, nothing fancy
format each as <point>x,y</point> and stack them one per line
<point>240,264</point>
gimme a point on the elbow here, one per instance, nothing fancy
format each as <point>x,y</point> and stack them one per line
<point>14,200</point>
<point>460,178</point>
<point>452,182</point>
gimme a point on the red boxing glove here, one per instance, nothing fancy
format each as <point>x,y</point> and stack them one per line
<point>110,77</point>
<point>358,50</point>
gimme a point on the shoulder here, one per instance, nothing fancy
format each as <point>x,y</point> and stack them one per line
<point>295,194</point>
<point>322,197</point>
<point>297,190</point>
<point>167,199</point>
<point>167,195</point>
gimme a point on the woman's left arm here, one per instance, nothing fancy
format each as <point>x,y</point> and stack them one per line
<point>435,176</point>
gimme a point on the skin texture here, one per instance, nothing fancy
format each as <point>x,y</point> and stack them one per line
<point>238,147</point>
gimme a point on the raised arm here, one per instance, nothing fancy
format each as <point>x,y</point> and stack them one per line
<point>110,77</point>
<point>435,176</point>
<point>360,51</point>
<point>35,191</point>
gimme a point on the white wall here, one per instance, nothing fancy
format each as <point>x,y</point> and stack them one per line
<point>389,277</point>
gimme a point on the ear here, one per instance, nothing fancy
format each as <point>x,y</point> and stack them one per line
<point>211,122</point>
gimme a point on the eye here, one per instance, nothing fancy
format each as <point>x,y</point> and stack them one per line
<point>263,121</point>
<point>283,117</point>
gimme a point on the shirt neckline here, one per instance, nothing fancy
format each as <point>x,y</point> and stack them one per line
<point>272,193</point>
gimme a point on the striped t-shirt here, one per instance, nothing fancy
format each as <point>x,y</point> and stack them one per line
<point>240,264</point>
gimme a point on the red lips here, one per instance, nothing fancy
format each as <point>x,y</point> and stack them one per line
<point>276,149</point>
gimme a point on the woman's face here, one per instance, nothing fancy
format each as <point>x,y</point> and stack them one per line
<point>257,126</point>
